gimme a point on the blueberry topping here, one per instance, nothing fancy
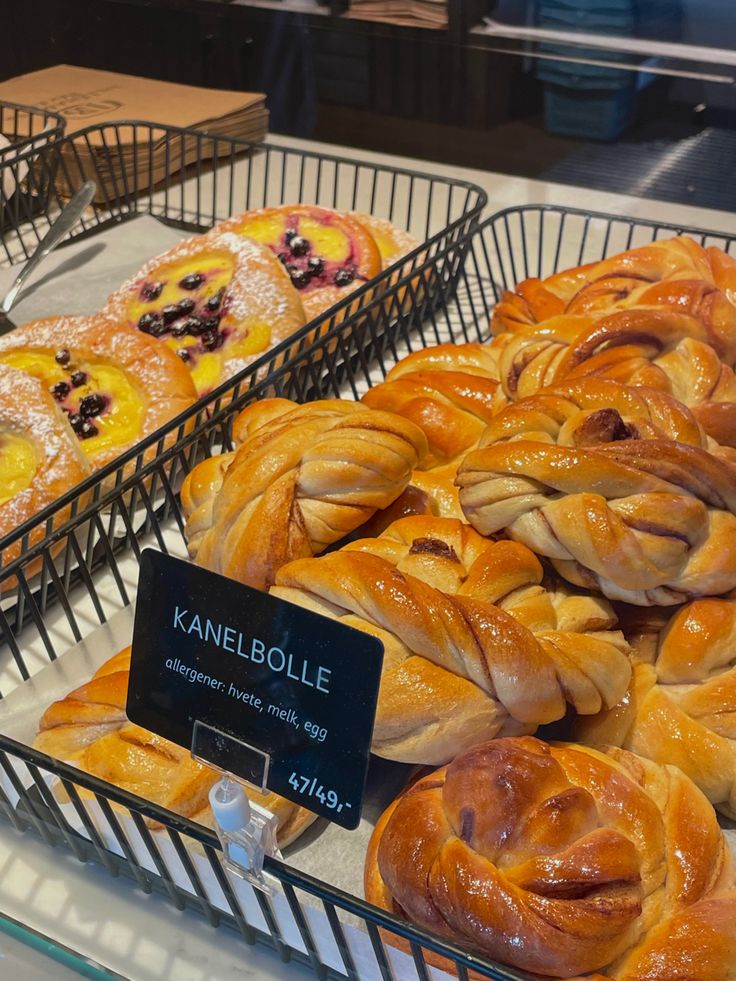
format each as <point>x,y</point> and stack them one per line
<point>283,257</point>
<point>211,340</point>
<point>315,266</point>
<point>185,306</point>
<point>212,323</point>
<point>179,328</point>
<point>62,357</point>
<point>192,281</point>
<point>289,234</point>
<point>183,354</point>
<point>60,391</point>
<point>75,421</point>
<point>194,325</point>
<point>344,277</point>
<point>92,405</point>
<point>299,278</point>
<point>151,291</point>
<point>78,378</point>
<point>215,302</point>
<point>87,429</point>
<point>299,245</point>
<point>171,312</point>
<point>152,323</point>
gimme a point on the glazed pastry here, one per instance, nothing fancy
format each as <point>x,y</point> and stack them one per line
<point>217,301</point>
<point>327,254</point>
<point>393,243</point>
<point>89,728</point>
<point>682,708</point>
<point>648,522</point>
<point>591,411</point>
<point>40,458</point>
<point>677,274</point>
<point>301,481</point>
<point>449,391</point>
<point>562,860</point>
<point>662,349</point>
<point>475,645</point>
<point>114,386</point>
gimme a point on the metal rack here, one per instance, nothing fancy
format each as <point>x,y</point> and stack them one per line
<point>104,526</point>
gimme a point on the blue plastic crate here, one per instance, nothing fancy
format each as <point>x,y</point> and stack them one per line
<point>593,114</point>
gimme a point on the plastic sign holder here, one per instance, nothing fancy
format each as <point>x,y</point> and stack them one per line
<point>265,691</point>
<point>247,831</point>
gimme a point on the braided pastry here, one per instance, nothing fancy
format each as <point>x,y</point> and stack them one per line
<point>676,274</point>
<point>449,391</point>
<point>644,521</point>
<point>475,646</point>
<point>298,483</point>
<point>682,708</point>
<point>590,411</point>
<point>89,728</point>
<point>557,859</point>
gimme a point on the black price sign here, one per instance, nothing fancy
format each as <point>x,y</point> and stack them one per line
<point>298,686</point>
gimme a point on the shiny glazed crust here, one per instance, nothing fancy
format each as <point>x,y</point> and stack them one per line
<point>89,728</point>
<point>28,411</point>
<point>259,293</point>
<point>158,376</point>
<point>475,645</point>
<point>450,392</point>
<point>681,707</point>
<point>648,522</point>
<point>299,482</point>
<point>561,860</point>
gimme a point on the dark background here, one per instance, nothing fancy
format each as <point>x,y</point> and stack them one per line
<point>437,95</point>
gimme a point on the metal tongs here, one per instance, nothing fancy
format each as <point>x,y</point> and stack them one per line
<point>68,217</point>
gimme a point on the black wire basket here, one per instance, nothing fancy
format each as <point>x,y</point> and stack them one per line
<point>25,130</point>
<point>101,530</point>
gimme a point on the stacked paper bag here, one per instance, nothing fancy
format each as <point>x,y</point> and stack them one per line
<point>407,13</point>
<point>88,97</point>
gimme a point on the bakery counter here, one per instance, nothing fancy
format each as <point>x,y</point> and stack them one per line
<point>119,930</point>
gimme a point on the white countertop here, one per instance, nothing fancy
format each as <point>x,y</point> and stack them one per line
<point>143,937</point>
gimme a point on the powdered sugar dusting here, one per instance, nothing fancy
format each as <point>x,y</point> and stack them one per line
<point>61,463</point>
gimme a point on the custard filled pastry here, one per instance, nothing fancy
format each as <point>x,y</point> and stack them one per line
<point>303,478</point>
<point>562,860</point>
<point>476,644</point>
<point>114,386</point>
<point>217,301</point>
<point>40,457</point>
<point>681,707</point>
<point>326,254</point>
<point>89,729</point>
<point>649,522</point>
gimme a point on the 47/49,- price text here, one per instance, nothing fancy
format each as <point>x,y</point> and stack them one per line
<point>311,788</point>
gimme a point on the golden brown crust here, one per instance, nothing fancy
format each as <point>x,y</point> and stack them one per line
<point>90,729</point>
<point>558,860</point>
<point>300,482</point>
<point>643,521</point>
<point>259,310</point>
<point>474,644</point>
<point>681,708</point>
<point>157,376</point>
<point>449,391</point>
<point>29,414</point>
<point>592,411</point>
